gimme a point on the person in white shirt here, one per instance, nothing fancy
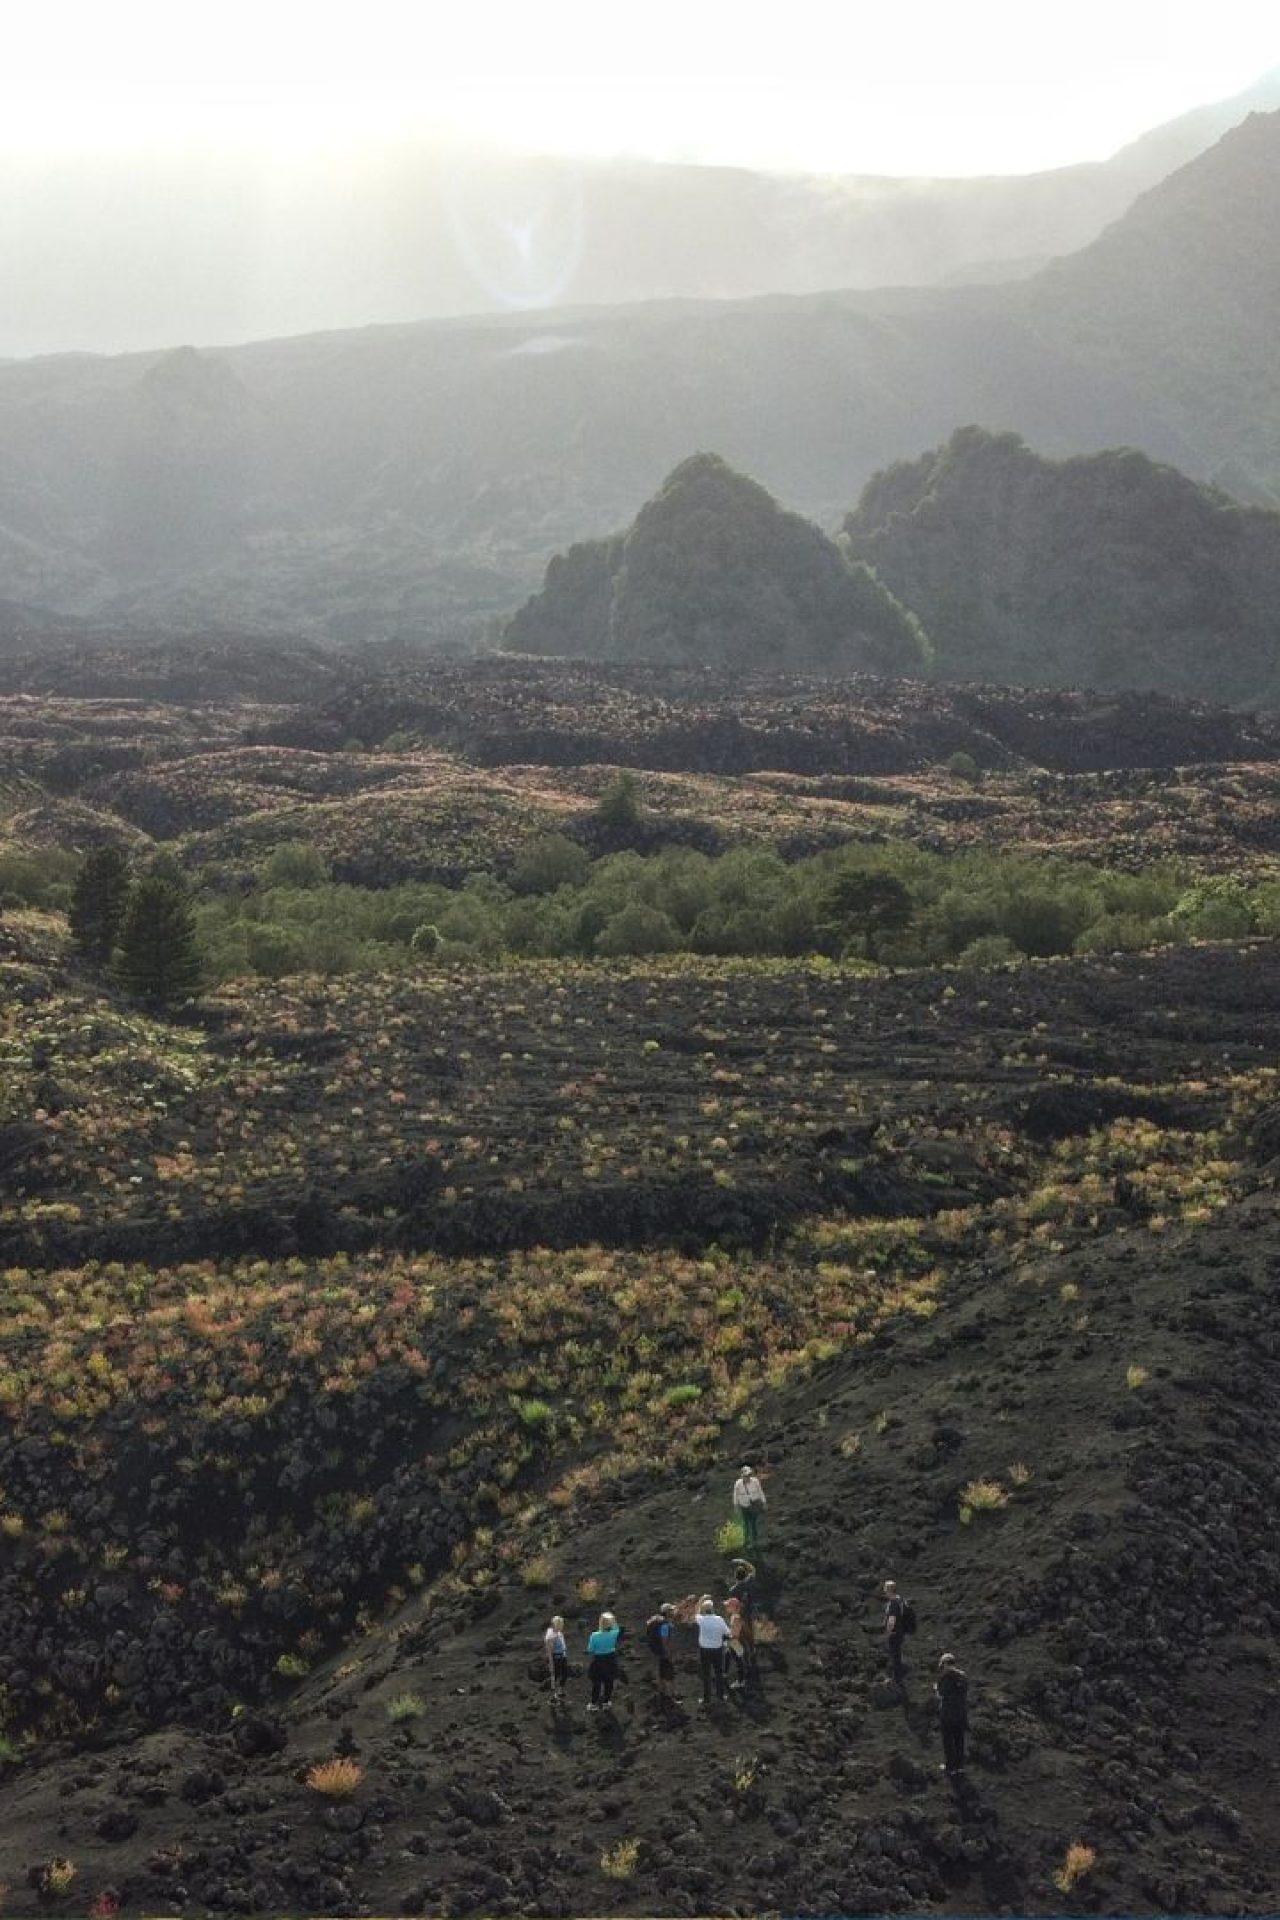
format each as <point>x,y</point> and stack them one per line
<point>749,1504</point>
<point>557,1652</point>
<point>713,1632</point>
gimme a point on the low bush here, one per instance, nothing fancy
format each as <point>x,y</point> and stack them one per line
<point>405,1706</point>
<point>335,1779</point>
<point>620,1862</point>
<point>1077,1862</point>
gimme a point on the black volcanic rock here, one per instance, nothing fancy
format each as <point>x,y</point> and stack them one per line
<point>714,572</point>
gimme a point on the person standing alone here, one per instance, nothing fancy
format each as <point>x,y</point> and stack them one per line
<point>895,1629</point>
<point>749,1504</point>
<point>556,1648</point>
<point>952,1689</point>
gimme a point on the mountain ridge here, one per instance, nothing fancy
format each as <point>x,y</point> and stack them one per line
<point>416,480</point>
<point>423,230</point>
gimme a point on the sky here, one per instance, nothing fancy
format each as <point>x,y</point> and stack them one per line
<point>938,87</point>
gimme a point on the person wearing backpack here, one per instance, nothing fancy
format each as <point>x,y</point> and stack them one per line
<point>749,1504</point>
<point>899,1621</point>
<point>952,1689</point>
<point>658,1635</point>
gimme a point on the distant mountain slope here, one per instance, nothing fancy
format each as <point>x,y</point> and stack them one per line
<point>1105,571</point>
<point>712,572</point>
<point>415,480</point>
<point>1181,300</point>
<point>237,247</point>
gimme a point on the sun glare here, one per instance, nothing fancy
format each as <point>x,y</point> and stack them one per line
<point>994,86</point>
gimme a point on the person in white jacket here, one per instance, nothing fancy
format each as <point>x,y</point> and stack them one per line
<point>713,1632</point>
<point>749,1504</point>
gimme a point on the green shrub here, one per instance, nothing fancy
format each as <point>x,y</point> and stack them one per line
<point>405,1706</point>
<point>963,766</point>
<point>294,864</point>
<point>637,930</point>
<point>731,1539</point>
<point>551,861</point>
<point>38,879</point>
<point>1214,909</point>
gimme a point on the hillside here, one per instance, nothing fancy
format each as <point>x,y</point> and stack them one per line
<point>1178,300</point>
<point>1104,571</point>
<point>270,1506</point>
<point>436,1267</point>
<point>415,480</point>
<point>713,573</point>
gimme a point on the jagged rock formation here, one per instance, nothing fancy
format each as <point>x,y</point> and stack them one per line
<point>1105,571</point>
<point>413,481</point>
<point>713,572</point>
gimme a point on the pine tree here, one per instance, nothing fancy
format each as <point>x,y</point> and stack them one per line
<point>159,958</point>
<point>98,902</point>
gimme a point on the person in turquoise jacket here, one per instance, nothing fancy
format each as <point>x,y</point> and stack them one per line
<point>602,1663</point>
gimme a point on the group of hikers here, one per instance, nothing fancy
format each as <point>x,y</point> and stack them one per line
<point>726,1646</point>
<point>727,1643</point>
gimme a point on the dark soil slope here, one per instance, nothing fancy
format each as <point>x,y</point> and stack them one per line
<point>1116,1617</point>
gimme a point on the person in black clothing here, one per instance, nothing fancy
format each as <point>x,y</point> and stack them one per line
<point>895,1608</point>
<point>658,1633</point>
<point>952,1689</point>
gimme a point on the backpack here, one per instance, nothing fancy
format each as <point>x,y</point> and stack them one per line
<point>655,1638</point>
<point>908,1616</point>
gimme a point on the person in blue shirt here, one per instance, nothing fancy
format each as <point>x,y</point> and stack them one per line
<point>602,1663</point>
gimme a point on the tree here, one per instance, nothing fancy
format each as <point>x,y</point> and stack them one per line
<point>637,929</point>
<point>159,957</point>
<point>550,861</point>
<point>295,864</point>
<point>98,901</point>
<point>618,808</point>
<point>1215,909</point>
<point>867,904</point>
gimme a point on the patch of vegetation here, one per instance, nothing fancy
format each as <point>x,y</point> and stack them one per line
<point>335,1779</point>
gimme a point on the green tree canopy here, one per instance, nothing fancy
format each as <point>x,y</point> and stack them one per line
<point>159,958</point>
<point>98,901</point>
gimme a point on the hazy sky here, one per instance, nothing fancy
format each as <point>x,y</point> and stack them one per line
<point>830,85</point>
